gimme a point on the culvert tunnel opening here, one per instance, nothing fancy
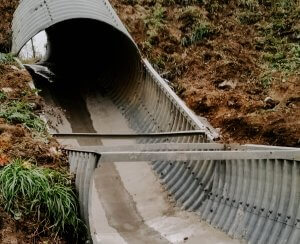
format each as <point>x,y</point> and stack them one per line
<point>85,58</point>
<point>82,52</point>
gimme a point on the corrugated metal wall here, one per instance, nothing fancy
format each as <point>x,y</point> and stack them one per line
<point>256,199</point>
<point>253,199</point>
<point>33,16</point>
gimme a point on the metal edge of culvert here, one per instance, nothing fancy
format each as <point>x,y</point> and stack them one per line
<point>211,133</point>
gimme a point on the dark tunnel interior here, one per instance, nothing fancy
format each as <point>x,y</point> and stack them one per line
<point>87,49</point>
<point>85,56</point>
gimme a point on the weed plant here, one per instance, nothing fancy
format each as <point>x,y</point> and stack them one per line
<point>2,96</point>
<point>44,193</point>
<point>20,112</point>
<point>155,20</point>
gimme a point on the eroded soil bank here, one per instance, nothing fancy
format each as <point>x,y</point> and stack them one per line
<point>236,63</point>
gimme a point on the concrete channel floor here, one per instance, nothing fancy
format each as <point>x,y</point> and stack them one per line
<point>128,203</point>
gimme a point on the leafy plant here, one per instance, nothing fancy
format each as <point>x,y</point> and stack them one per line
<point>43,193</point>
<point>286,58</point>
<point>2,96</point>
<point>155,20</point>
<point>21,112</point>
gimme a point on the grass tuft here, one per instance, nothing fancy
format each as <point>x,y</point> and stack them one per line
<point>44,193</point>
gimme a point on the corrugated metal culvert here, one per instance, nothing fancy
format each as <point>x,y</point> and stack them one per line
<point>249,192</point>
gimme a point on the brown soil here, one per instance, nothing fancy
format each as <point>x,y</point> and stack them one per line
<point>22,231</point>
<point>220,77</point>
<point>16,141</point>
<point>7,8</point>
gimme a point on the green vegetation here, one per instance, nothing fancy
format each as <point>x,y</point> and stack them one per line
<point>190,16</point>
<point>266,80</point>
<point>21,112</point>
<point>158,63</point>
<point>154,24</point>
<point>2,96</point>
<point>279,31</point>
<point>200,32</point>
<point>195,26</point>
<point>6,58</point>
<point>155,20</point>
<point>42,193</point>
<point>249,17</point>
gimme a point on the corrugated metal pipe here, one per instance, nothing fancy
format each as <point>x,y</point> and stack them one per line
<point>256,198</point>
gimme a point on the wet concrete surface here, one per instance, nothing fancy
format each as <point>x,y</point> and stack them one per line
<point>128,203</point>
<point>120,208</point>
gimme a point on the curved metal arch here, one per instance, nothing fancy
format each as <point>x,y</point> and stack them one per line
<point>33,16</point>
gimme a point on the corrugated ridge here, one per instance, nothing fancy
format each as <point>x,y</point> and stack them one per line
<point>256,199</point>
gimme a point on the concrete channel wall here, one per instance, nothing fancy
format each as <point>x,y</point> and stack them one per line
<point>249,192</point>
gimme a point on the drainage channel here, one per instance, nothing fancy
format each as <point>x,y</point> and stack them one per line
<point>102,87</point>
<point>127,202</point>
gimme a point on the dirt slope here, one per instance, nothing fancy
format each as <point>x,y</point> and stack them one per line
<point>22,135</point>
<point>7,8</point>
<point>235,62</point>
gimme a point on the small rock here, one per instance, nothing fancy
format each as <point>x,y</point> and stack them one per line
<point>227,85</point>
<point>185,238</point>
<point>54,152</point>
<point>14,67</point>
<point>33,105</point>
<point>270,103</point>
<point>7,89</point>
